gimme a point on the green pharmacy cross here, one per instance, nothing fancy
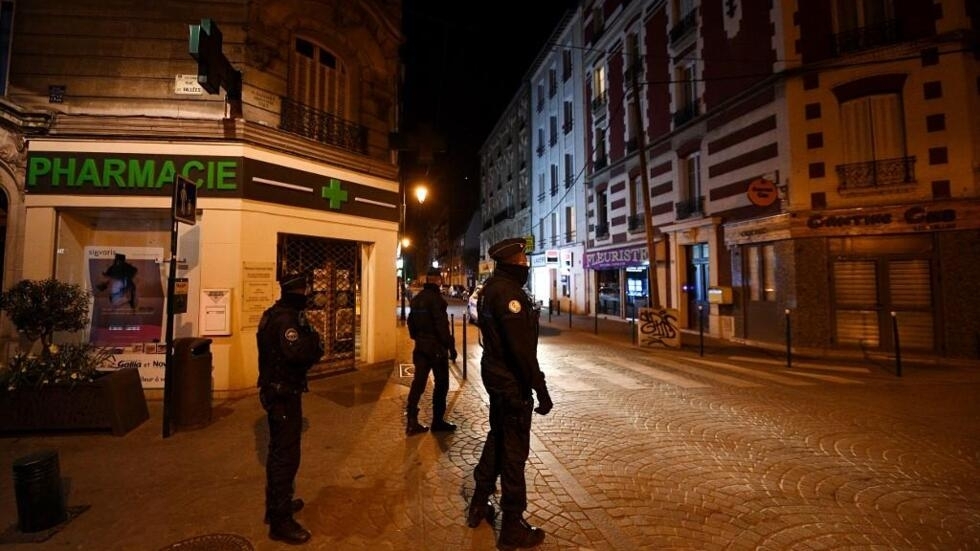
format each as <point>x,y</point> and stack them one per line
<point>334,194</point>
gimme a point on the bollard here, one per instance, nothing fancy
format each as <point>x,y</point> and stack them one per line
<point>569,315</point>
<point>789,342</point>
<point>558,307</point>
<point>464,345</point>
<point>898,346</point>
<point>701,328</point>
<point>551,307</point>
<point>452,325</point>
<point>37,485</point>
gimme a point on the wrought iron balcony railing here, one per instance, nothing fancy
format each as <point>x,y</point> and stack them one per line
<point>599,101</point>
<point>876,174</point>
<point>321,126</point>
<point>600,163</point>
<point>685,113</point>
<point>601,230</point>
<point>635,222</point>
<point>689,207</point>
<point>863,38</point>
<point>684,26</point>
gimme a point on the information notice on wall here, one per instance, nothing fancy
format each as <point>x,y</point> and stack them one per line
<point>258,291</point>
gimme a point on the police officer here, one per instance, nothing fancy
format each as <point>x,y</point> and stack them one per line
<point>509,326</point>
<point>428,325</point>
<point>288,347</point>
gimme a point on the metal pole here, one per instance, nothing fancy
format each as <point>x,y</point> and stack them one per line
<point>569,314</point>
<point>464,345</point>
<point>169,361</point>
<point>898,346</point>
<point>789,342</point>
<point>403,290</point>
<point>452,325</point>
<point>551,307</point>
<point>701,329</point>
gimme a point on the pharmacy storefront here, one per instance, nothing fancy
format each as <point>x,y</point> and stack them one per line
<point>98,214</point>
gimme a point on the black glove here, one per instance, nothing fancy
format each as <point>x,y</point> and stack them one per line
<point>544,401</point>
<point>452,354</point>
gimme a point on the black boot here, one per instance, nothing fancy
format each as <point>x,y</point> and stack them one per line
<point>295,506</point>
<point>289,531</point>
<point>516,533</point>
<point>412,426</point>
<point>480,509</point>
<point>441,425</point>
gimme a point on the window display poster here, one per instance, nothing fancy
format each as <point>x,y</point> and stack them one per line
<point>128,298</point>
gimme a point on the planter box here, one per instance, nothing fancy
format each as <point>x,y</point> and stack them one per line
<point>114,401</point>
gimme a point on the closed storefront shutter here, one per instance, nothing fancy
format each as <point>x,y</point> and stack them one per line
<point>856,313</point>
<point>911,300</point>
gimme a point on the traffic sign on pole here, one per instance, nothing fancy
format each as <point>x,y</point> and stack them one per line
<point>185,201</point>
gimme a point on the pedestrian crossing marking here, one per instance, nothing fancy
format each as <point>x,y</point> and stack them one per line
<point>616,379</point>
<point>655,373</point>
<point>753,373</point>
<point>808,365</point>
<point>827,378</point>
<point>707,373</point>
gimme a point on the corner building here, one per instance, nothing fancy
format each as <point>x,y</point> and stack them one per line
<point>102,113</point>
<point>811,161</point>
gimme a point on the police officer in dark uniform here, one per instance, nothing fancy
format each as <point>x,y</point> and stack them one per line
<point>509,325</point>
<point>428,325</point>
<point>288,347</point>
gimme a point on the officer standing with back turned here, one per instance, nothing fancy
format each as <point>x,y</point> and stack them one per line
<point>509,325</point>
<point>288,348</point>
<point>428,325</point>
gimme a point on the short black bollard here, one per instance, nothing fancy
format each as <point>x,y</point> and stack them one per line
<point>452,325</point>
<point>789,343</point>
<point>464,345</point>
<point>37,485</point>
<point>569,315</point>
<point>701,328</point>
<point>898,346</point>
<point>551,308</point>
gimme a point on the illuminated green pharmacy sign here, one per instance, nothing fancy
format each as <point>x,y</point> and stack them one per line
<point>100,173</point>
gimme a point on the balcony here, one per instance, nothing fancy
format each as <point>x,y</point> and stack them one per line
<point>635,222</point>
<point>569,181</point>
<point>864,38</point>
<point>600,101</point>
<point>566,126</point>
<point>322,127</point>
<point>684,26</point>
<point>600,163</point>
<point>871,175</point>
<point>689,207</point>
<point>540,150</point>
<point>685,114</point>
<point>602,230</point>
<point>632,144</point>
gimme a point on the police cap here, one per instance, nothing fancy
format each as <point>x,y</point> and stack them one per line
<point>293,281</point>
<point>507,248</point>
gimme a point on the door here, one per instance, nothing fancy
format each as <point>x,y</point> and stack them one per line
<point>697,282</point>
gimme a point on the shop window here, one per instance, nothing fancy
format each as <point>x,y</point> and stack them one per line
<point>761,271</point>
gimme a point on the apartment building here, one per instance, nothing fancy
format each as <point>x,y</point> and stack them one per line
<point>557,168</point>
<point>505,168</point>
<point>290,159</point>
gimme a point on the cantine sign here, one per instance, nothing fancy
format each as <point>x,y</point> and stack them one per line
<point>931,217</point>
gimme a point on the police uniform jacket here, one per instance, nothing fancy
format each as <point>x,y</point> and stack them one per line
<point>428,323</point>
<point>288,346</point>
<point>509,324</point>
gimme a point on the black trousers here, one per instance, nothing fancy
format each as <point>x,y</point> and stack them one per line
<point>505,451</point>
<point>285,414</point>
<point>429,359</point>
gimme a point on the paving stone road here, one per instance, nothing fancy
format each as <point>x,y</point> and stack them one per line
<point>645,449</point>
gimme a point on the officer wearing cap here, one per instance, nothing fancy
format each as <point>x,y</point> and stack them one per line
<point>428,325</point>
<point>288,348</point>
<point>510,372</point>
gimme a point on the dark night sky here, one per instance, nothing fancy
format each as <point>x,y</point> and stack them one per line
<point>464,61</point>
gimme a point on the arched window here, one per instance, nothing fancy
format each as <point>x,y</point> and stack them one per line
<point>318,78</point>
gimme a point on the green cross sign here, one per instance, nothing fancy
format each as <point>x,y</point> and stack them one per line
<point>334,194</point>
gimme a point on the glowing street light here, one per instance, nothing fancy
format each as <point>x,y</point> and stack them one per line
<point>421,192</point>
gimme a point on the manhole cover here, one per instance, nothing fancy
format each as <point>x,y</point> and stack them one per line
<point>212,542</point>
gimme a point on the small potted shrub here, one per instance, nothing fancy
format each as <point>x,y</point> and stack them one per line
<point>59,387</point>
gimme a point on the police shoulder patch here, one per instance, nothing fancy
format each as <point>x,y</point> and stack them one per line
<point>514,306</point>
<point>291,335</point>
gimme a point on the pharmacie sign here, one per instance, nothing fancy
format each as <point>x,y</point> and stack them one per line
<point>81,173</point>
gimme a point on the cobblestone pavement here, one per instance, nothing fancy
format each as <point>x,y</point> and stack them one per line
<point>645,449</point>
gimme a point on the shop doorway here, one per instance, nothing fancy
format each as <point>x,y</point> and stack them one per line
<point>335,266</point>
<point>867,291</point>
<point>697,281</point>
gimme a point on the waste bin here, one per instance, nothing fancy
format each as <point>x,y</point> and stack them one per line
<point>37,485</point>
<point>192,382</point>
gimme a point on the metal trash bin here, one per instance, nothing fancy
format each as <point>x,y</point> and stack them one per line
<point>37,485</point>
<point>192,382</point>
